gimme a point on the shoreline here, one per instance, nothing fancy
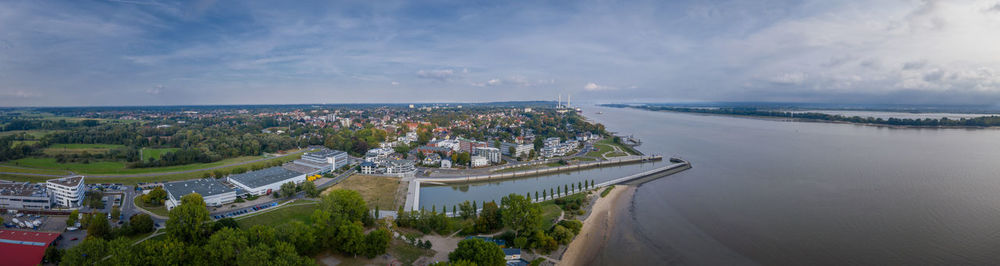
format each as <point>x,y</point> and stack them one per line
<point>597,228</point>
<point>824,121</point>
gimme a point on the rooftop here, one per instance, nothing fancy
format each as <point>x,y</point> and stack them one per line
<point>67,181</point>
<point>204,187</point>
<point>24,247</point>
<point>264,177</point>
<point>324,153</point>
<point>23,189</point>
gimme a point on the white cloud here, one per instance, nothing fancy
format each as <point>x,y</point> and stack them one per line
<point>788,78</point>
<point>155,90</point>
<point>594,87</point>
<point>438,74</point>
<point>395,83</point>
<point>21,94</point>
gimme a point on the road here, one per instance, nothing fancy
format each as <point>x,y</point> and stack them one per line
<point>157,173</point>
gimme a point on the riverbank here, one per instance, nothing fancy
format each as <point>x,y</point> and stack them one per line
<point>597,228</point>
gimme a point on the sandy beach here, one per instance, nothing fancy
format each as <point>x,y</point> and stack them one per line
<point>597,228</point>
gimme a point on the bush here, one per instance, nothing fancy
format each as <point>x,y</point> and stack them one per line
<point>606,191</point>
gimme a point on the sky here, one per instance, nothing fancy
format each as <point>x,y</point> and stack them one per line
<point>146,52</point>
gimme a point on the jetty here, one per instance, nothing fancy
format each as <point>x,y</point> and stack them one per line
<point>678,165</point>
<point>542,171</point>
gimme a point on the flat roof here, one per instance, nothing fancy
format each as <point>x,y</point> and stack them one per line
<point>324,153</point>
<point>204,187</point>
<point>264,177</point>
<point>67,181</point>
<point>23,189</point>
<point>24,247</point>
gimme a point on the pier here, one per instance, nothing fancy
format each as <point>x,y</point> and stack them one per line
<point>679,165</point>
<point>543,171</point>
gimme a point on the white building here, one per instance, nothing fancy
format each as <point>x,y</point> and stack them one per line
<point>212,191</point>
<point>67,192</point>
<point>411,136</point>
<point>491,154</point>
<point>378,154</point>
<point>324,160</point>
<point>479,161</point>
<point>519,149</point>
<point>400,167</point>
<point>446,163</point>
<point>24,196</point>
<point>369,168</point>
<point>265,181</point>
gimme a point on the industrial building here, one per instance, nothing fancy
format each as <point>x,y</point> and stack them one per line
<point>24,196</point>
<point>262,182</point>
<point>67,192</point>
<point>212,191</point>
<point>324,160</point>
<point>24,247</point>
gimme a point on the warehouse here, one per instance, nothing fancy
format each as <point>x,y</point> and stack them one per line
<point>212,191</point>
<point>264,181</point>
<point>24,196</point>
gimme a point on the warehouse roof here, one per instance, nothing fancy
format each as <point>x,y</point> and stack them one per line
<point>204,187</point>
<point>264,177</point>
<point>24,247</point>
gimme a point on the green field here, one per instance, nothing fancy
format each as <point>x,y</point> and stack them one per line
<point>112,167</point>
<point>155,153</point>
<point>9,169</point>
<point>550,212</point>
<point>296,212</point>
<point>22,142</point>
<point>161,210</point>
<point>84,146</point>
<point>35,134</point>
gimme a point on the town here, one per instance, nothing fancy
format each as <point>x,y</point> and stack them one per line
<point>82,175</point>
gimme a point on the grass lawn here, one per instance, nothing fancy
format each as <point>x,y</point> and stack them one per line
<point>22,142</point>
<point>161,210</point>
<point>32,171</point>
<point>407,253</point>
<point>550,212</point>
<point>113,167</point>
<point>155,153</point>
<point>601,149</point>
<point>295,212</point>
<point>24,178</point>
<point>376,190</point>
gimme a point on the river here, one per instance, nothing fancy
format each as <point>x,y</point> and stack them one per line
<point>801,193</point>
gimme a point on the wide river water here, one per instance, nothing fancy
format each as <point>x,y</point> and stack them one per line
<point>794,193</point>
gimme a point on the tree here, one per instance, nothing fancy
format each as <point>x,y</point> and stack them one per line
<point>345,202</point>
<point>351,238</point>
<point>99,227</point>
<point>479,252</point>
<point>74,216</point>
<point>377,242</point>
<point>490,219</point>
<point>115,213</point>
<point>536,195</point>
<point>225,246</point>
<point>466,210</point>
<point>288,189</point>
<point>88,252</point>
<point>227,222</point>
<point>52,254</point>
<point>562,235</point>
<point>299,235</point>
<point>187,220</point>
<point>519,213</point>
<point>141,223</point>
<point>310,189</point>
<point>512,151</point>
<point>155,197</point>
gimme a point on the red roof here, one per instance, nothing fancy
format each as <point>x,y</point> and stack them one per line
<point>24,247</point>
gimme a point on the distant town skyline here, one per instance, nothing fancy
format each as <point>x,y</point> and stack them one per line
<point>143,52</point>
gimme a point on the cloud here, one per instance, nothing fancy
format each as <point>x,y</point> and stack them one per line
<point>438,74</point>
<point>914,65</point>
<point>788,78</point>
<point>395,83</point>
<point>155,90</point>
<point>594,87</point>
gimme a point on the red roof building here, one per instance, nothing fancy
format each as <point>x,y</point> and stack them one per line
<point>24,247</point>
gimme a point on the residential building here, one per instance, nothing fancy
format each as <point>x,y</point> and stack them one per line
<point>466,145</point>
<point>68,191</point>
<point>411,136</point>
<point>24,196</point>
<point>400,167</point>
<point>265,181</point>
<point>369,168</point>
<point>553,141</point>
<point>479,161</point>
<point>377,154</point>
<point>432,159</point>
<point>491,154</point>
<point>519,149</point>
<point>428,150</point>
<point>511,254</point>
<point>212,191</point>
<point>454,145</point>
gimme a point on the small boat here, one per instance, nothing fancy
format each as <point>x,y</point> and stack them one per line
<point>600,113</point>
